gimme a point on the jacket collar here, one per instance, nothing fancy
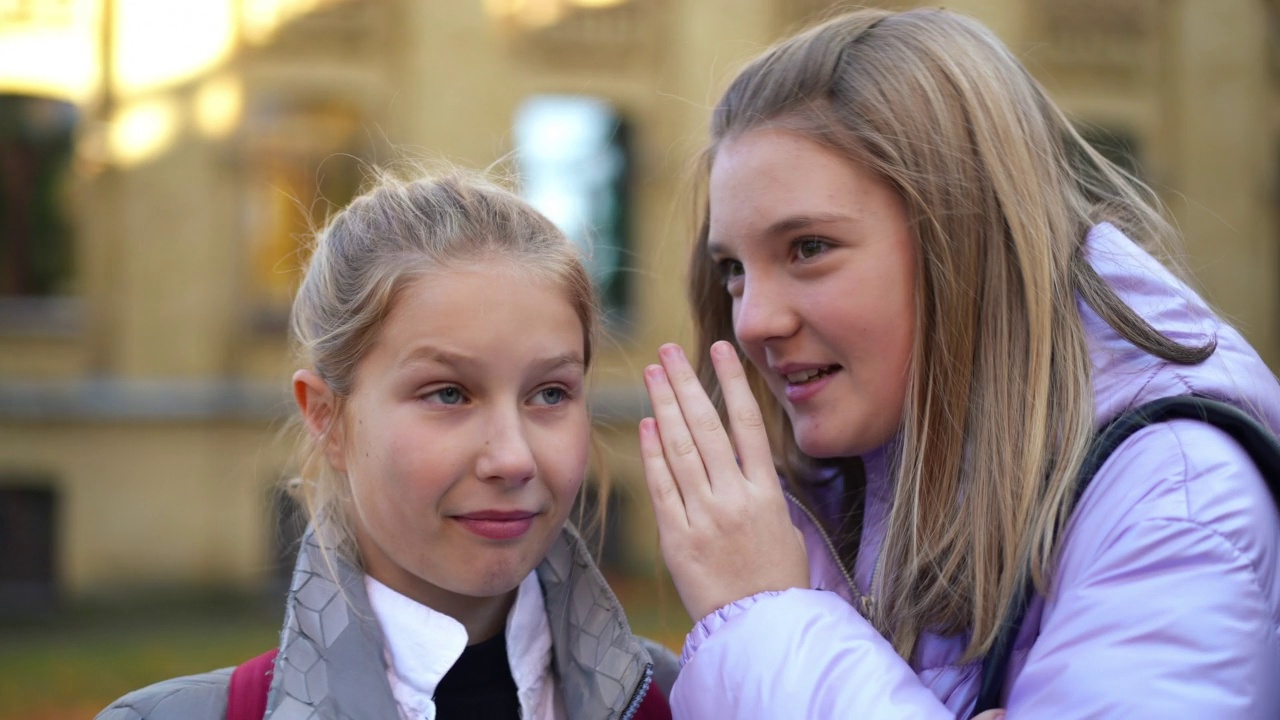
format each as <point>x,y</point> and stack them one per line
<point>423,644</point>
<point>603,670</point>
<point>331,649</point>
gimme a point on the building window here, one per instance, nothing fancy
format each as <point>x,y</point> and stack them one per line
<point>36,140</point>
<point>573,157</point>
<point>305,163</point>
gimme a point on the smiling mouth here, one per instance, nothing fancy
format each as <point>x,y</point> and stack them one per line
<point>804,377</point>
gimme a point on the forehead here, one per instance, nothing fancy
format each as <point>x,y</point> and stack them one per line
<point>768,180</point>
<point>487,311</point>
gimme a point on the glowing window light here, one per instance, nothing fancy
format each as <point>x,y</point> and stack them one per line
<point>162,43</point>
<point>53,55</point>
<point>573,160</point>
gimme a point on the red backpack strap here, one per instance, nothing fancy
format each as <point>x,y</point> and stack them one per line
<point>654,706</point>
<point>250,682</point>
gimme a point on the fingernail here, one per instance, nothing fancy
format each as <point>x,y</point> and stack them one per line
<point>722,349</point>
<point>653,372</point>
<point>670,351</point>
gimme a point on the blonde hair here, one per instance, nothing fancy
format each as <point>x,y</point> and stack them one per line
<point>1000,192</point>
<point>387,237</point>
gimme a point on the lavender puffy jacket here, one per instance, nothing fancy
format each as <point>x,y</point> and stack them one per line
<point>1168,591</point>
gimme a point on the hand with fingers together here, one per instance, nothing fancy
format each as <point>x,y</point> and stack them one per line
<point>722,518</point>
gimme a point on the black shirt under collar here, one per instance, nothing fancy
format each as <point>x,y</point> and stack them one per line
<point>479,685</point>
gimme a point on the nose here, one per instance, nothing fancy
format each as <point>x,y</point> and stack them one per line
<point>763,312</point>
<point>506,455</point>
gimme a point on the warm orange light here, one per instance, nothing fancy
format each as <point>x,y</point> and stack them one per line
<point>218,106</point>
<point>143,130</point>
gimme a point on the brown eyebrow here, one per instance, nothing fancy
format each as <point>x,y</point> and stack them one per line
<point>560,361</point>
<point>799,222</point>
<point>458,361</point>
<point>786,226</point>
<point>427,353</point>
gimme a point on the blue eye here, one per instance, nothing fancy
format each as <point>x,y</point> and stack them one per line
<point>451,395</point>
<point>810,247</point>
<point>551,396</point>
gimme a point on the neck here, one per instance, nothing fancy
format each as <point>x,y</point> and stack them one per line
<point>483,618</point>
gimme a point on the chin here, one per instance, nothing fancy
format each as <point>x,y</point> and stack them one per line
<point>827,446</point>
<point>494,582</point>
<point>819,447</point>
<point>501,573</point>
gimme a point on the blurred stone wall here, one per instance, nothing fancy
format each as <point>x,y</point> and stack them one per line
<point>148,395</point>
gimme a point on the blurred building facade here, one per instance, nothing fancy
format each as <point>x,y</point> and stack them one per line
<point>160,161</point>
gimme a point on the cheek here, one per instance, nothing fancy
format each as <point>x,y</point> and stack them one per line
<point>896,373</point>
<point>568,453</point>
<point>394,472</point>
<point>373,494</point>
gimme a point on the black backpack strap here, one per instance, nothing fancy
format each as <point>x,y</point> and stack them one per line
<point>1256,439</point>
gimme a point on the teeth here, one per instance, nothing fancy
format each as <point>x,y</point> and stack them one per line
<point>805,375</point>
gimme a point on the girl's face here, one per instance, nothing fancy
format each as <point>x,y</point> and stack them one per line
<point>819,259</point>
<point>465,437</point>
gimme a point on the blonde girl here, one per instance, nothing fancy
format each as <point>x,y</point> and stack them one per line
<point>445,330</point>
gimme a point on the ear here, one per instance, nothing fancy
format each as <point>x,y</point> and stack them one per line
<point>318,406</point>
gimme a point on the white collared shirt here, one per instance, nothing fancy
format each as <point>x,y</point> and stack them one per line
<point>422,644</point>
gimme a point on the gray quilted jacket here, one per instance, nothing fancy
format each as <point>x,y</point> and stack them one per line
<point>331,661</point>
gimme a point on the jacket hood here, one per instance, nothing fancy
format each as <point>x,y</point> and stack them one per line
<point>1124,376</point>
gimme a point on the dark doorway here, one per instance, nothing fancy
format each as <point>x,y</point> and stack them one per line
<point>28,549</point>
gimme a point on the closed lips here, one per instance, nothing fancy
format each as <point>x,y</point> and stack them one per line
<point>498,515</point>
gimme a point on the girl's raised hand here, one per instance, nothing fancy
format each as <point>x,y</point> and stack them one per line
<point>723,524</point>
